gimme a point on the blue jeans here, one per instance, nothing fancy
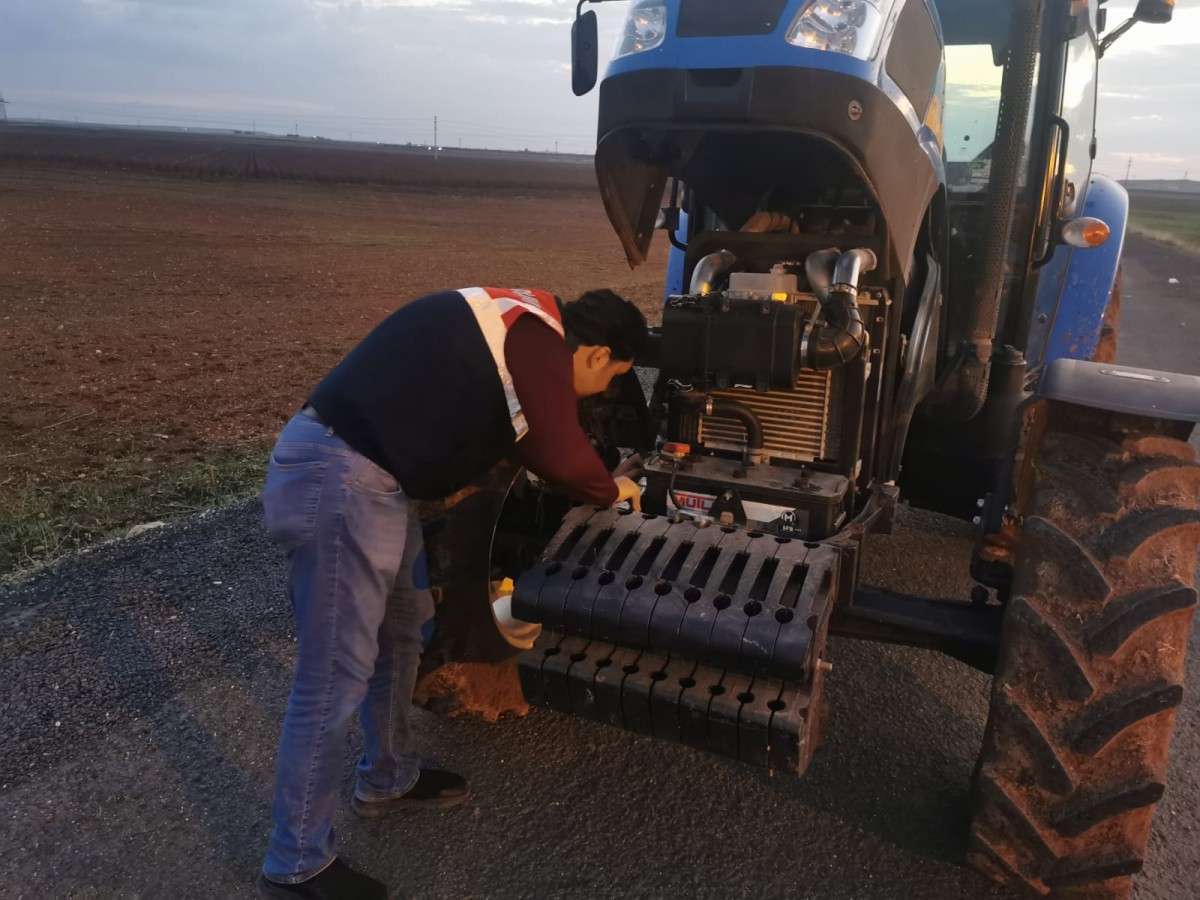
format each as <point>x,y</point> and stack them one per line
<point>360,592</point>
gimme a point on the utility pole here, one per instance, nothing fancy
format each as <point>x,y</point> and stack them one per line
<point>3,110</point>
<point>435,144</point>
<point>556,151</point>
<point>1128,168</point>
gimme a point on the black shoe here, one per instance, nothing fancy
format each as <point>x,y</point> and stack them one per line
<point>337,881</point>
<point>435,789</point>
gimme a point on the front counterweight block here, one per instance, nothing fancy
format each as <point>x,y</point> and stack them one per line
<point>690,632</point>
<point>761,721</point>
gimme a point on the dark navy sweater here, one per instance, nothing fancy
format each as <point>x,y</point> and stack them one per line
<point>420,396</point>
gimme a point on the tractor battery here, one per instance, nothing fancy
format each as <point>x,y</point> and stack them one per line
<point>788,502</point>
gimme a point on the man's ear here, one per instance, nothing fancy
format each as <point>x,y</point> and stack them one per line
<point>599,357</point>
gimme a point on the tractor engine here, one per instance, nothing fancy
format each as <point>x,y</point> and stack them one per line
<point>763,385</point>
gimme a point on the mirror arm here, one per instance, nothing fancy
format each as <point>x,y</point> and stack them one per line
<point>1109,39</point>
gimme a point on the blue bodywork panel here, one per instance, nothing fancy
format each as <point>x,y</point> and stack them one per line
<point>1075,286</point>
<point>675,261</point>
<point>736,51</point>
<point>773,50</point>
<point>766,50</point>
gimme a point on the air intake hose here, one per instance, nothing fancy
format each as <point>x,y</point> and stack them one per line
<point>844,337</point>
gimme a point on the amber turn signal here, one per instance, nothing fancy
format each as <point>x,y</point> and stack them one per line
<point>1085,232</point>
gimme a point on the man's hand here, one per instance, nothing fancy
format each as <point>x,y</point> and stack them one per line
<point>627,489</point>
<point>630,467</point>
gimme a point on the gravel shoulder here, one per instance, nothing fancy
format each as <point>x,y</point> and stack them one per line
<point>143,685</point>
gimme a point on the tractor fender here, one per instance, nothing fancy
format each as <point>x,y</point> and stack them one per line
<point>1122,389</point>
<point>1076,284</point>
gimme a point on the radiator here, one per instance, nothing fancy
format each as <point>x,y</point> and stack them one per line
<point>797,424</point>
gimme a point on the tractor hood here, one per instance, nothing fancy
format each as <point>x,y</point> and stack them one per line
<point>789,118</point>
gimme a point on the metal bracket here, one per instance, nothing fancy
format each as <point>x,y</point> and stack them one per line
<point>727,509</point>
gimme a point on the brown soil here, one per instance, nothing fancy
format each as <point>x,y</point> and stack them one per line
<point>490,691</point>
<point>147,319</point>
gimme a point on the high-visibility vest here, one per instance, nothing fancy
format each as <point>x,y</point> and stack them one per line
<point>497,310</point>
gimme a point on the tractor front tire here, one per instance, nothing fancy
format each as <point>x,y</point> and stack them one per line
<point>1091,662</point>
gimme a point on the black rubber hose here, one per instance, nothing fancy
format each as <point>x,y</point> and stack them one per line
<point>732,409</point>
<point>843,339</point>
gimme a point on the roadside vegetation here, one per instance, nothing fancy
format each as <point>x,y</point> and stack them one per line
<point>1172,219</point>
<point>39,524</point>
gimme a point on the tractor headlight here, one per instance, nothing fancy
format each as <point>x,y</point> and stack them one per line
<point>645,28</point>
<point>843,26</point>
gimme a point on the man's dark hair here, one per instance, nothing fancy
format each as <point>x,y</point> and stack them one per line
<point>602,318</point>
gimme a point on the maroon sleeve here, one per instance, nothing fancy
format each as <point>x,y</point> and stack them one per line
<point>555,447</point>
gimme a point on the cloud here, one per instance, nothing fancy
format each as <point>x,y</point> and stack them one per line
<point>495,72</point>
<point>382,68</point>
<point>1146,108</point>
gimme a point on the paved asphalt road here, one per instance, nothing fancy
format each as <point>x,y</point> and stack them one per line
<point>142,686</point>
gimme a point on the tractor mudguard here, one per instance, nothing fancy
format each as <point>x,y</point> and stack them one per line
<point>1076,284</point>
<point>1123,389</point>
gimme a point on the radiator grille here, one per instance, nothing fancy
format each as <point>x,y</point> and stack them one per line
<point>796,424</point>
<point>710,18</point>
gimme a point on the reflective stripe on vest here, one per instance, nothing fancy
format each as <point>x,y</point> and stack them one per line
<point>496,310</point>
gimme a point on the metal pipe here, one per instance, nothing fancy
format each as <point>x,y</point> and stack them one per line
<point>851,265</point>
<point>708,269</point>
<point>966,384</point>
<point>724,408</point>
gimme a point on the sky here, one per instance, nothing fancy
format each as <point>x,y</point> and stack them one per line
<point>495,73</point>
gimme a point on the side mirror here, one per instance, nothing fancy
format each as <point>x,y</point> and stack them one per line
<point>1156,12</point>
<point>584,55</point>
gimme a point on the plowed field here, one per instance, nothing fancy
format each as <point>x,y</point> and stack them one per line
<point>150,319</point>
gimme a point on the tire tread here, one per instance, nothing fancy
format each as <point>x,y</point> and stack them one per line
<point>1075,748</point>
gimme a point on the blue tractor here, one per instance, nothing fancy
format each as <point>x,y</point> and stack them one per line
<point>889,273</point>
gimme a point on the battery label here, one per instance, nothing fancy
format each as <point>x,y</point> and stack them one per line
<point>689,502</point>
<point>782,519</point>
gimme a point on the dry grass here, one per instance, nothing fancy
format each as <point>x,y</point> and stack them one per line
<point>41,524</point>
<point>1171,219</point>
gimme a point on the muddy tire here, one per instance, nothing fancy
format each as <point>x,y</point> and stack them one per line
<point>1091,665</point>
<point>1106,350</point>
